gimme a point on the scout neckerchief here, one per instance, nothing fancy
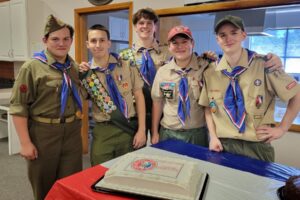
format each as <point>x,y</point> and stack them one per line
<point>233,101</point>
<point>184,105</point>
<point>67,81</point>
<point>147,69</point>
<point>113,90</point>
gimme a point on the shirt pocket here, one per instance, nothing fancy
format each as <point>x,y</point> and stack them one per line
<point>195,89</point>
<point>168,90</point>
<point>255,104</point>
<point>216,101</point>
<point>54,82</point>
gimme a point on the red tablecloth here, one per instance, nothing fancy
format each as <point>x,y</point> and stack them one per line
<point>78,186</point>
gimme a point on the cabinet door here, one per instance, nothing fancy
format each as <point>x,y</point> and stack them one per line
<point>18,22</point>
<point>5,39</point>
<point>118,28</point>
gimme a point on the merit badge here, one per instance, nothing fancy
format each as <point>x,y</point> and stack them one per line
<point>125,85</point>
<point>291,85</point>
<point>167,89</point>
<point>257,82</point>
<point>23,88</point>
<point>259,101</point>
<point>213,106</point>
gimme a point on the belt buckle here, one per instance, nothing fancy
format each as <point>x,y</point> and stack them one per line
<point>62,120</point>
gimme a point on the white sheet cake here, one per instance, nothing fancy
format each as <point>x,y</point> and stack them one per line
<point>154,175</point>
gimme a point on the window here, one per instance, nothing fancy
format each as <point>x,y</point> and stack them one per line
<point>286,44</point>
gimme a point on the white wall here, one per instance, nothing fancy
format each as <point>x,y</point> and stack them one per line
<point>287,149</point>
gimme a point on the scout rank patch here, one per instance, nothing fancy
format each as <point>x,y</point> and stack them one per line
<point>127,54</point>
<point>167,89</point>
<point>213,105</point>
<point>98,93</point>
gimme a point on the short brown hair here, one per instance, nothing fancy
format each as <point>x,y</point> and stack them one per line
<point>100,28</point>
<point>146,13</point>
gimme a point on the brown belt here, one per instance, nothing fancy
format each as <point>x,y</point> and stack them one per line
<point>55,120</point>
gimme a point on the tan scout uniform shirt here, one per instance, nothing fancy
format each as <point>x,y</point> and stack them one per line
<point>159,54</point>
<point>129,82</point>
<point>37,90</point>
<point>254,82</point>
<point>166,75</point>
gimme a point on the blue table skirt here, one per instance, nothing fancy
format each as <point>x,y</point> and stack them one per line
<point>267,169</point>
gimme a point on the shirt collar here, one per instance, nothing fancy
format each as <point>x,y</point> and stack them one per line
<point>244,61</point>
<point>111,59</point>
<point>137,47</point>
<point>193,64</point>
<point>51,59</point>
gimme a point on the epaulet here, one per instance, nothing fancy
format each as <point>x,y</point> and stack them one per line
<point>128,55</point>
<point>261,56</point>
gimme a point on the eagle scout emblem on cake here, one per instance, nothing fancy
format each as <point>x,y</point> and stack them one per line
<point>144,164</point>
<point>167,89</point>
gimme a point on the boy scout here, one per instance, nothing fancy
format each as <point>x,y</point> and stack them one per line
<point>176,90</point>
<point>239,96</point>
<point>44,103</point>
<point>112,85</point>
<point>146,54</point>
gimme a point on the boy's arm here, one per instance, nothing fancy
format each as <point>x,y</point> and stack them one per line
<point>28,149</point>
<point>139,139</point>
<point>214,142</point>
<point>269,134</point>
<point>157,109</point>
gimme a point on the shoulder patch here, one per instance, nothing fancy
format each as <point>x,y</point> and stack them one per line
<point>128,55</point>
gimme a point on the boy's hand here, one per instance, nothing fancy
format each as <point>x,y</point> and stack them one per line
<point>268,134</point>
<point>273,62</point>
<point>84,66</point>
<point>215,144</point>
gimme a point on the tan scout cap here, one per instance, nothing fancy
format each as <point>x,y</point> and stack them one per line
<point>234,20</point>
<point>54,24</point>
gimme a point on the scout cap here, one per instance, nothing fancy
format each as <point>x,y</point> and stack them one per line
<point>234,20</point>
<point>179,30</point>
<point>54,24</point>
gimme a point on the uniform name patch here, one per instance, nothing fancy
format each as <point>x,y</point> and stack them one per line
<point>291,85</point>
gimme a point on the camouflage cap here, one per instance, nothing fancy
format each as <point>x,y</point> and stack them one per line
<point>234,20</point>
<point>54,24</point>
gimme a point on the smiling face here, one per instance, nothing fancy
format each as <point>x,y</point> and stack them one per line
<point>230,38</point>
<point>98,43</point>
<point>145,28</point>
<point>58,43</point>
<point>181,48</point>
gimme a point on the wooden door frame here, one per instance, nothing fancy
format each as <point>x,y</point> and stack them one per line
<point>80,22</point>
<point>223,6</point>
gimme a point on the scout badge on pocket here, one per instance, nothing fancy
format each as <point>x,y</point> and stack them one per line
<point>259,101</point>
<point>213,106</point>
<point>167,89</point>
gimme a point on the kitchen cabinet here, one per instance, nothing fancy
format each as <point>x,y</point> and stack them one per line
<point>7,128</point>
<point>14,34</point>
<point>118,28</point>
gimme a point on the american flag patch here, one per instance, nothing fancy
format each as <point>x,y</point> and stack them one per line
<point>291,85</point>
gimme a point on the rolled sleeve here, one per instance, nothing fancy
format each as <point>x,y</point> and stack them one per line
<point>282,85</point>
<point>22,93</point>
